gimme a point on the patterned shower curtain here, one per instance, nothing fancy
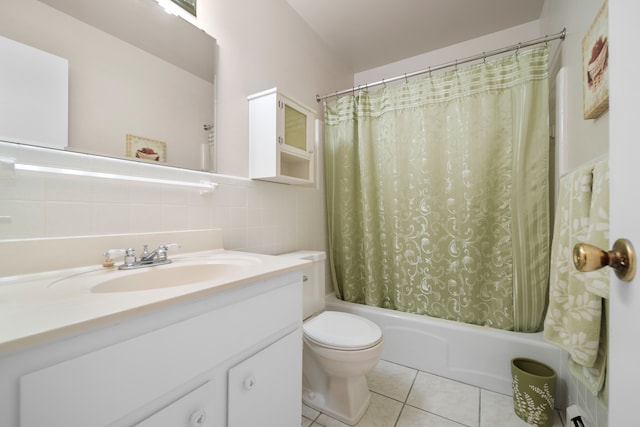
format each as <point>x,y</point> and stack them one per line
<point>437,193</point>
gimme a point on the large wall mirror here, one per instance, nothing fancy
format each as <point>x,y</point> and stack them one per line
<point>138,77</point>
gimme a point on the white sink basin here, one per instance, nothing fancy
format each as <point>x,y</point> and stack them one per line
<point>168,276</point>
<point>181,272</point>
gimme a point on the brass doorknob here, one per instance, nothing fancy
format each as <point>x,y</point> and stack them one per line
<point>621,258</point>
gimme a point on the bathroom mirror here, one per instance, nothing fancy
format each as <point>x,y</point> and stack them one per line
<point>139,78</point>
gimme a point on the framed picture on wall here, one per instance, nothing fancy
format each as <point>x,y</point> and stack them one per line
<point>146,149</point>
<point>595,66</point>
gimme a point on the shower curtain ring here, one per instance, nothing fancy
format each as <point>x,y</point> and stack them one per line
<point>405,78</point>
<point>518,49</point>
<point>484,57</point>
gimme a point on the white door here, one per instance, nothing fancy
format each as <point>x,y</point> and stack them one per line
<point>624,149</point>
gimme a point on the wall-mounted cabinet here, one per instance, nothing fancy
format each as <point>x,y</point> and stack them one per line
<point>281,139</point>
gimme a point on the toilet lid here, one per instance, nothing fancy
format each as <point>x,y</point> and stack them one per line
<point>342,330</point>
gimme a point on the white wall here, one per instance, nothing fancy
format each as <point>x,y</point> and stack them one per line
<point>586,139</point>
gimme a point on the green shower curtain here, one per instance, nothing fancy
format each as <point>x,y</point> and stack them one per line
<point>437,193</point>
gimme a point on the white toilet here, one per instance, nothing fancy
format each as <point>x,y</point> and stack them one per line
<point>340,349</point>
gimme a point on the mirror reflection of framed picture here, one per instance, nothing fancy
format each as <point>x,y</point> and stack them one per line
<point>146,149</point>
<point>188,5</point>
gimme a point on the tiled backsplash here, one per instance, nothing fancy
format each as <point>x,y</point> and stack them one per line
<point>255,216</point>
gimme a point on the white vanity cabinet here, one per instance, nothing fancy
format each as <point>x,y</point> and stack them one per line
<point>281,139</point>
<point>261,387</point>
<point>218,361</point>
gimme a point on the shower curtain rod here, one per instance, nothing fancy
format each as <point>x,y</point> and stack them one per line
<point>484,55</point>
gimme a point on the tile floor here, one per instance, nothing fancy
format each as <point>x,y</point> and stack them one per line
<point>405,397</point>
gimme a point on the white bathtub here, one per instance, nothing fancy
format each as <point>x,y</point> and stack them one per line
<point>467,353</point>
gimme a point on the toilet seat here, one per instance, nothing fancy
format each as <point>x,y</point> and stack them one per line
<point>342,331</point>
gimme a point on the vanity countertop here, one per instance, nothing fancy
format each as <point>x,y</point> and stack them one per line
<point>38,307</point>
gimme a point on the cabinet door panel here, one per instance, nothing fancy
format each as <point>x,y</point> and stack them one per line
<point>266,389</point>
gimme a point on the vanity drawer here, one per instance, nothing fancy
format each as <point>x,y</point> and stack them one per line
<point>191,410</point>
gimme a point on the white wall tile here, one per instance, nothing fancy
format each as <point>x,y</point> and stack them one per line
<point>199,218</point>
<point>62,189</point>
<point>146,218</point>
<point>145,193</point>
<point>237,239</point>
<point>175,196</point>
<point>175,218</point>
<point>25,187</point>
<point>238,196</point>
<point>69,219</point>
<point>238,217</point>
<point>26,219</point>
<point>111,191</point>
<point>111,218</point>
<point>253,215</point>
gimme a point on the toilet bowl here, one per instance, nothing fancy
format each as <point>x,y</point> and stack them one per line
<point>334,367</point>
<point>339,350</point>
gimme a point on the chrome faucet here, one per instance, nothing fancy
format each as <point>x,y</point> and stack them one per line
<point>159,255</point>
<point>148,259</point>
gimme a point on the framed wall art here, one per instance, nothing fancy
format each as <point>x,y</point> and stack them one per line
<point>595,65</point>
<point>146,149</point>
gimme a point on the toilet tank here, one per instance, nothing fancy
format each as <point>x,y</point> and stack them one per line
<point>312,281</point>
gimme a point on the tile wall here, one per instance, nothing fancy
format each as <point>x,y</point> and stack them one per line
<point>255,216</point>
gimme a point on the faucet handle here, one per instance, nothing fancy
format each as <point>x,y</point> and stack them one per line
<point>130,257</point>
<point>162,250</point>
<point>110,254</point>
<point>172,246</point>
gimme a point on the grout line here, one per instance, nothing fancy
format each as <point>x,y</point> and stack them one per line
<point>479,407</point>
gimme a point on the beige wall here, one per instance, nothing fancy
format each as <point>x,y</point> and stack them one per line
<point>585,139</point>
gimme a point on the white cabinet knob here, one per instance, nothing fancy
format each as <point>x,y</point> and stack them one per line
<point>249,382</point>
<point>198,418</point>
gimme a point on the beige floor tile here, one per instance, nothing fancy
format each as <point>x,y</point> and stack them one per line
<point>497,410</point>
<point>308,412</point>
<point>432,402</point>
<point>391,380</point>
<point>413,417</point>
<point>382,412</point>
<point>449,399</point>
